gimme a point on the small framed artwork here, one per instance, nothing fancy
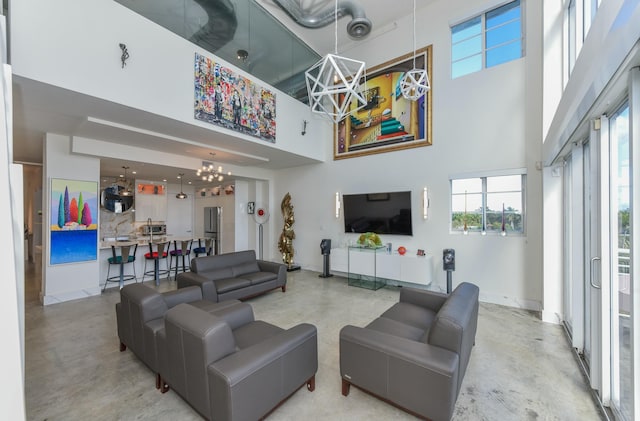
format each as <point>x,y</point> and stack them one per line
<point>421,252</point>
<point>251,208</point>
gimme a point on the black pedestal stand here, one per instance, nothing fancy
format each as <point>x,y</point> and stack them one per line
<point>293,267</point>
<point>325,267</point>
<point>449,281</point>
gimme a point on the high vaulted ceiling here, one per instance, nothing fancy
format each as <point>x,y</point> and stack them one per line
<point>40,108</point>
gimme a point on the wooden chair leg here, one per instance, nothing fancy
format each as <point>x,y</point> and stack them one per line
<point>158,381</point>
<point>345,387</point>
<point>311,383</point>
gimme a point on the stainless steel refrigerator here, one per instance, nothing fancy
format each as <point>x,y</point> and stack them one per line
<point>213,226</point>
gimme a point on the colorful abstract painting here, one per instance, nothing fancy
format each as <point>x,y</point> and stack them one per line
<point>388,122</point>
<point>227,99</point>
<point>74,221</point>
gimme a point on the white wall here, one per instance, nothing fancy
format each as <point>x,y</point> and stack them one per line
<point>82,54</point>
<point>72,280</point>
<point>485,121</point>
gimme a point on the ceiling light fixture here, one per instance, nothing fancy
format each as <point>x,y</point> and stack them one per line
<point>415,83</point>
<point>242,55</point>
<point>209,172</point>
<point>182,194</point>
<point>122,181</point>
<point>334,82</point>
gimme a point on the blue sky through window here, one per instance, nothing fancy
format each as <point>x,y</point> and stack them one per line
<point>500,30</point>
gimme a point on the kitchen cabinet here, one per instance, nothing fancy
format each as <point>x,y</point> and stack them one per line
<point>152,206</point>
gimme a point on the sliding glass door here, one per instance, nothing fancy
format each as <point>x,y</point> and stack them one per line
<point>620,274</point>
<point>598,245</point>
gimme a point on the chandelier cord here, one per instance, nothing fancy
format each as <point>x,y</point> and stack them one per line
<point>335,27</point>
<point>414,34</point>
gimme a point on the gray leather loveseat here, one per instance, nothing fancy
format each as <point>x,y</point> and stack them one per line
<point>238,369</point>
<point>237,275</point>
<point>415,354</point>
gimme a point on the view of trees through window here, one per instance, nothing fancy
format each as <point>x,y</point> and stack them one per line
<point>488,204</point>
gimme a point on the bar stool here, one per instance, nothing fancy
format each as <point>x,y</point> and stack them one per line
<point>125,257</point>
<point>161,249</point>
<point>181,248</point>
<point>206,249</point>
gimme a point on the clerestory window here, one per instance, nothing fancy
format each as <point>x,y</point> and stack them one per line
<point>492,38</point>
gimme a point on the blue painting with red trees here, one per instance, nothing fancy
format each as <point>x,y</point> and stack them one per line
<point>73,222</point>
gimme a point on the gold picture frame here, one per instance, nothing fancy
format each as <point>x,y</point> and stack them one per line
<point>389,122</point>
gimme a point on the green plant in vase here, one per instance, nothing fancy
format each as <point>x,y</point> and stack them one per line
<point>370,240</point>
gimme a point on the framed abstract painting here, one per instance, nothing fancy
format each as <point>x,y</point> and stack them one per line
<point>388,121</point>
<point>73,224</point>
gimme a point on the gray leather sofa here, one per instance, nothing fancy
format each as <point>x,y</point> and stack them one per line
<point>140,316</point>
<point>415,354</point>
<point>236,275</point>
<point>238,370</point>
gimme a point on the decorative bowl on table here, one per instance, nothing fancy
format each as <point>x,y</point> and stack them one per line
<point>370,240</point>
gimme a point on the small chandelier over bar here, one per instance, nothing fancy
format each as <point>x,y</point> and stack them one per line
<point>209,171</point>
<point>334,82</point>
<point>181,195</point>
<point>415,83</point>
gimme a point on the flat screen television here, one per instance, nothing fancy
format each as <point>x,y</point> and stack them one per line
<point>382,213</point>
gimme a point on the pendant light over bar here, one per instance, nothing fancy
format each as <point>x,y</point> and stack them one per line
<point>415,82</point>
<point>334,82</point>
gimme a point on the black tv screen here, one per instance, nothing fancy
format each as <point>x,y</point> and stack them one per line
<point>382,213</point>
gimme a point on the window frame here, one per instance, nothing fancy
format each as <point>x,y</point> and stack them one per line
<point>483,176</point>
<point>483,37</point>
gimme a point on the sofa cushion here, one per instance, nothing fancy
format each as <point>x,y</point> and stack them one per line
<point>254,333</point>
<point>259,277</point>
<point>396,328</point>
<point>217,273</point>
<point>244,268</point>
<point>230,284</point>
<point>411,314</point>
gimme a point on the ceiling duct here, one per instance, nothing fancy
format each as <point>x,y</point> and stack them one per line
<point>359,27</point>
<point>221,27</point>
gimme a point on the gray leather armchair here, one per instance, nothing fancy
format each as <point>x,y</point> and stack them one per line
<point>415,354</point>
<point>234,371</point>
<point>140,316</point>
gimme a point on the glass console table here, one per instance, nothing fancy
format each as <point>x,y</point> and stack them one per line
<point>362,267</point>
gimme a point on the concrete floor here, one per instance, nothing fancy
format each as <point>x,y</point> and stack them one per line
<point>520,368</point>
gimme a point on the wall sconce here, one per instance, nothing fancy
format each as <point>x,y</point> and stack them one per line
<point>337,205</point>
<point>425,203</point>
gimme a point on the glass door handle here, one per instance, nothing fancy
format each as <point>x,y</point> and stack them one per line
<point>591,273</point>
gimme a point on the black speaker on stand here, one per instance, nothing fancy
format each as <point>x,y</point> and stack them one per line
<point>325,249</point>
<point>449,265</point>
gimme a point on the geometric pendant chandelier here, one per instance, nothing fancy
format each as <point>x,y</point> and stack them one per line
<point>333,83</point>
<point>415,83</point>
